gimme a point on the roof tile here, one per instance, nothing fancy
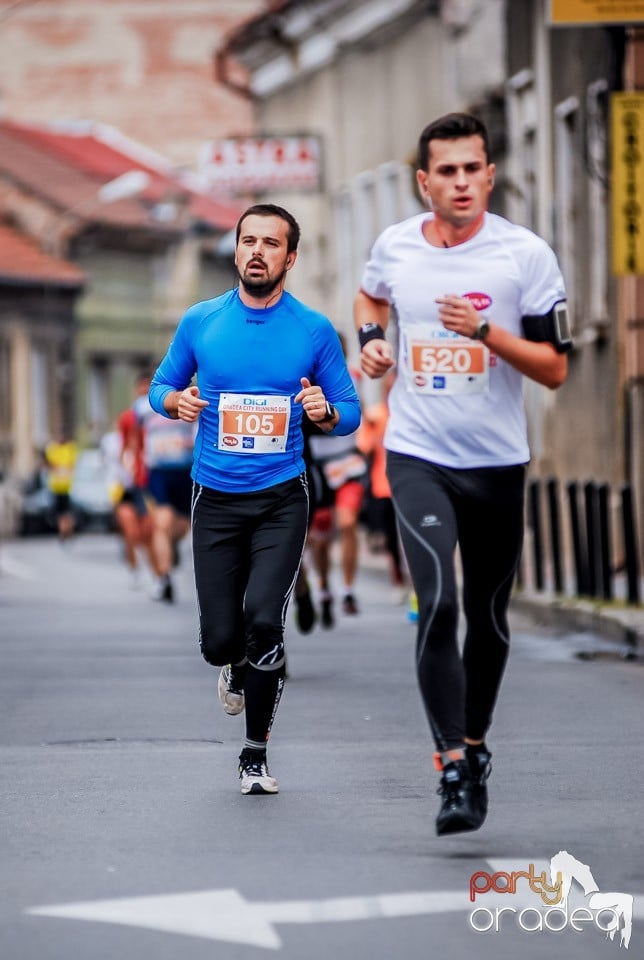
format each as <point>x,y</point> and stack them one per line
<point>69,167</point>
<point>22,262</point>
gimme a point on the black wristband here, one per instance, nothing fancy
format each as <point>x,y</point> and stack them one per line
<point>370,331</point>
<point>330,413</point>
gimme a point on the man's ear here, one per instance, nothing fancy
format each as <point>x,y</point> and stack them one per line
<point>421,180</point>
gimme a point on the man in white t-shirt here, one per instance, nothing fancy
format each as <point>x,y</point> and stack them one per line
<point>480,303</point>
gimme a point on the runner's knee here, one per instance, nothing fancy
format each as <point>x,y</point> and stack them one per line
<point>219,647</point>
<point>265,646</point>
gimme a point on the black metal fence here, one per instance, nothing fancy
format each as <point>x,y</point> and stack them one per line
<point>582,542</point>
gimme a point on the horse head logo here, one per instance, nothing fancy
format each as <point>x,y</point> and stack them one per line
<point>619,904</point>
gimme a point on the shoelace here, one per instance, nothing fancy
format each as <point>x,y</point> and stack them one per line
<point>254,768</point>
<point>450,789</point>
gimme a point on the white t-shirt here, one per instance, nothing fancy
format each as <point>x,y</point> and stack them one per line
<point>454,402</point>
<point>168,444</point>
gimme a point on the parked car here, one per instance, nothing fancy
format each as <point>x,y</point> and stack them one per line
<point>90,494</point>
<point>37,506</point>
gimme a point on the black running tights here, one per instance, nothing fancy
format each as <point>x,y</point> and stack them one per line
<point>247,550</point>
<point>481,511</point>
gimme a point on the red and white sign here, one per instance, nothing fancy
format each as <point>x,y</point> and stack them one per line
<point>480,301</point>
<point>262,164</point>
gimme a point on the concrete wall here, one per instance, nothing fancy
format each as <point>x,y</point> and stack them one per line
<point>144,66</point>
<point>369,106</point>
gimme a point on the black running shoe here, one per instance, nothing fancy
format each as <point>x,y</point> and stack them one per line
<point>305,616</point>
<point>458,811</point>
<point>326,613</point>
<point>349,605</point>
<point>164,591</point>
<point>480,761</point>
<point>254,774</point>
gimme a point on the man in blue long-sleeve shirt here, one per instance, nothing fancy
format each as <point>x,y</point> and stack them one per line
<point>256,351</point>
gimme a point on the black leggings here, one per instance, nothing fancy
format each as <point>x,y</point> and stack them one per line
<point>481,510</point>
<point>247,550</point>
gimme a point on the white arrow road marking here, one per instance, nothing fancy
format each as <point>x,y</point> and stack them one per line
<point>214,914</point>
<point>226,915</point>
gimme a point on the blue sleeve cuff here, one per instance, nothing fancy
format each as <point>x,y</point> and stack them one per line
<point>349,418</point>
<point>158,393</point>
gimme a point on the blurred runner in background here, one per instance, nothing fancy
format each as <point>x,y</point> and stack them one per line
<point>61,455</point>
<point>122,450</point>
<point>340,472</point>
<point>167,453</point>
<point>380,513</point>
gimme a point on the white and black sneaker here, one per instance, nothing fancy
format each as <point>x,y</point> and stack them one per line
<point>163,590</point>
<point>231,694</point>
<point>253,773</point>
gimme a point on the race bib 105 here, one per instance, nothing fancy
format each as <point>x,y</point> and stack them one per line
<point>253,423</point>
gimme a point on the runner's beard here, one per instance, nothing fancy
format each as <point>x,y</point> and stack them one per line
<point>261,288</point>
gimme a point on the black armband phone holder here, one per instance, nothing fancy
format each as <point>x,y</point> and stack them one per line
<point>552,327</point>
<point>370,331</point>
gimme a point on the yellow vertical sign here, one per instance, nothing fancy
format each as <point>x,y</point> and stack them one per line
<point>627,162</point>
<point>569,12</point>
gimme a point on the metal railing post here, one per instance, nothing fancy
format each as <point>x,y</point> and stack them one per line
<point>630,546</point>
<point>555,534</point>
<point>579,553</point>
<point>605,544</point>
<point>592,545</point>
<point>537,539</point>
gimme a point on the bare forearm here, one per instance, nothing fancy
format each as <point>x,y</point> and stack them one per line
<point>368,310</point>
<point>171,404</point>
<point>538,361</point>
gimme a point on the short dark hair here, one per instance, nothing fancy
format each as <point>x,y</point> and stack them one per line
<point>272,210</point>
<point>453,126</point>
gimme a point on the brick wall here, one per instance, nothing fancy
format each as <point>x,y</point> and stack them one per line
<point>144,66</point>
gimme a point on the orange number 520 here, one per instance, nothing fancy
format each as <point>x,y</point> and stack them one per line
<point>448,359</point>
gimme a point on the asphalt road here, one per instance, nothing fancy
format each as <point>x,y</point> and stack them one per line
<point>124,835</point>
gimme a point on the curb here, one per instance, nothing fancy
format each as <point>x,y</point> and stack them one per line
<point>621,624</point>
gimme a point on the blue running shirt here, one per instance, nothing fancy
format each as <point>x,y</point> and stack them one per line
<point>248,364</point>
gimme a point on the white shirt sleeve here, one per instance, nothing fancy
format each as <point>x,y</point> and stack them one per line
<point>374,279</point>
<point>542,282</point>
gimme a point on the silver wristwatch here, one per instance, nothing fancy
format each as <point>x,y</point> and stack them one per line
<point>482,329</point>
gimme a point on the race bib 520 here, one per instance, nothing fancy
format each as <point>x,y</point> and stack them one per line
<point>441,363</point>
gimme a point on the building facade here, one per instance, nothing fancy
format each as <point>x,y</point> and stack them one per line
<point>142,66</point>
<point>144,255</point>
<point>367,76</point>
<point>37,300</point>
